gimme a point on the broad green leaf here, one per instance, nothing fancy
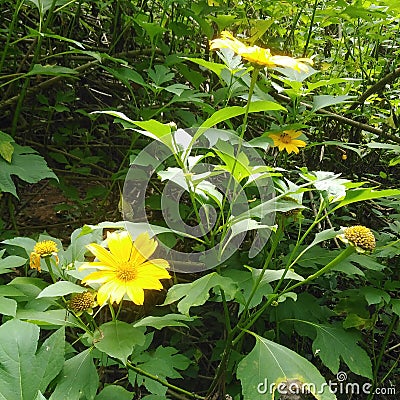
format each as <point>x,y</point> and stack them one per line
<point>245,282</point>
<point>44,5</point>
<point>395,306</point>
<point>274,275</point>
<point>197,293</point>
<point>165,320</point>
<point>325,82</point>
<point>270,364</point>
<point>363,194</point>
<point>126,75</point>
<point>8,306</point>
<point>153,129</point>
<point>25,164</point>
<point>385,146</point>
<point>374,295</point>
<point>117,339</point>
<point>333,344</point>
<point>10,262</point>
<point>229,112</point>
<point>163,363</point>
<point>6,147</point>
<point>212,66</point>
<point>319,237</point>
<point>61,288</point>
<point>49,317</point>
<point>113,392</point>
<point>323,101</point>
<point>152,28</point>
<point>24,369</point>
<point>53,70</point>
<point>160,74</point>
<point>10,291</point>
<point>78,378</point>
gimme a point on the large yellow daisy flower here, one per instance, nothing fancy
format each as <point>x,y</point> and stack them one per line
<point>125,269</point>
<point>257,55</point>
<point>286,140</point>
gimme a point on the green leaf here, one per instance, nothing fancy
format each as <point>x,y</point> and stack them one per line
<point>117,339</point>
<point>270,364</point>
<point>395,306</point>
<point>229,112</point>
<point>363,194</point>
<point>374,295</point>
<point>24,369</point>
<point>333,343</point>
<point>8,306</point>
<point>25,164</point>
<point>10,262</point>
<point>165,320</point>
<point>112,392</point>
<point>160,74</point>
<point>6,147</point>
<point>44,5</point>
<point>49,317</point>
<point>61,288</point>
<point>53,70</point>
<point>78,378</point>
<point>274,275</point>
<point>163,363</point>
<point>197,293</point>
<point>245,282</point>
<point>153,129</point>
<point>323,101</point>
<point>212,66</point>
<point>126,75</point>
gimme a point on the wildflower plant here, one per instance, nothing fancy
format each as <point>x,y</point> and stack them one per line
<point>236,261</point>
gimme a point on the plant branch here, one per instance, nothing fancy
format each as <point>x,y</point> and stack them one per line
<point>341,118</point>
<point>376,88</point>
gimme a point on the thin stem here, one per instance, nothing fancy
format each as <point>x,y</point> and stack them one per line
<point>163,382</point>
<point>310,29</point>
<point>49,267</point>
<point>382,351</point>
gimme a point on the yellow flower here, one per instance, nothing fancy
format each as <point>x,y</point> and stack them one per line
<point>286,140</point>
<point>360,237</point>
<point>45,248</point>
<point>257,55</point>
<point>125,269</point>
<point>82,302</point>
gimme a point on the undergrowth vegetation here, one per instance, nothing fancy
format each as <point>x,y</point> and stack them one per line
<point>199,199</point>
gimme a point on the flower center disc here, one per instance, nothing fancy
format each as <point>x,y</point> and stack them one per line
<point>126,272</point>
<point>286,138</point>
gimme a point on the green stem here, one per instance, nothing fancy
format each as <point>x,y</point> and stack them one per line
<point>163,382</point>
<point>277,237</point>
<point>382,352</point>
<point>310,29</point>
<point>50,268</point>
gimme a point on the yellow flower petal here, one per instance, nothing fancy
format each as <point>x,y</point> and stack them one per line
<point>136,294</point>
<point>98,277</point>
<point>120,244</point>
<point>102,254</point>
<point>143,248</point>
